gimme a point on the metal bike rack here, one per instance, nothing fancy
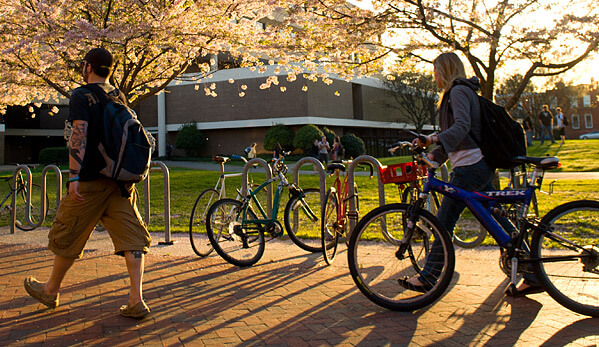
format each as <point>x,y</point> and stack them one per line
<point>13,217</point>
<point>167,201</point>
<point>321,173</point>
<point>353,213</point>
<point>13,203</point>
<point>244,181</point>
<point>58,173</point>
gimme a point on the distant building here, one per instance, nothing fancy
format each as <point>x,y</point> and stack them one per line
<point>241,113</point>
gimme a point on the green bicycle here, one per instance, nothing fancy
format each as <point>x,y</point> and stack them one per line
<point>236,228</point>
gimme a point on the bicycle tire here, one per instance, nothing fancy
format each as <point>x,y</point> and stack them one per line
<point>304,232</point>
<point>200,243</point>
<point>36,193</point>
<point>329,226</point>
<point>231,240</point>
<point>375,267</point>
<point>567,281</point>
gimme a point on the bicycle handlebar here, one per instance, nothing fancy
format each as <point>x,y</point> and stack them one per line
<point>238,157</point>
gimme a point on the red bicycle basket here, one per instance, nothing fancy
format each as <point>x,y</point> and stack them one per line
<point>401,173</point>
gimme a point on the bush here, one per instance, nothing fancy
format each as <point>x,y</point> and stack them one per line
<point>190,139</point>
<point>330,134</point>
<point>354,146</point>
<point>278,133</point>
<point>54,155</point>
<point>304,138</point>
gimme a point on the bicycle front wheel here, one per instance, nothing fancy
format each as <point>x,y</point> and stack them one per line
<point>239,243</point>
<point>34,206</point>
<point>377,262</point>
<point>303,230</point>
<point>197,223</point>
<point>331,226</point>
<point>569,261</point>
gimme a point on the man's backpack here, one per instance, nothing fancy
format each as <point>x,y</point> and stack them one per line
<point>247,150</point>
<point>566,121</point>
<point>502,138</point>
<point>124,143</point>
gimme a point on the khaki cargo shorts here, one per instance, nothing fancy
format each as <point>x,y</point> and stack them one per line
<point>76,220</point>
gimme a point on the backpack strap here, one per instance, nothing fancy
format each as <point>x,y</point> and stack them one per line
<point>104,96</point>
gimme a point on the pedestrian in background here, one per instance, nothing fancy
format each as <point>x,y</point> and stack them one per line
<point>546,122</point>
<point>528,127</point>
<point>251,151</point>
<point>323,151</point>
<point>561,124</point>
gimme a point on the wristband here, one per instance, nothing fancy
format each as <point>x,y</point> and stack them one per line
<point>76,178</point>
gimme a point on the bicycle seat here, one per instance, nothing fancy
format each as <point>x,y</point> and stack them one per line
<point>544,163</point>
<point>219,159</point>
<point>335,166</point>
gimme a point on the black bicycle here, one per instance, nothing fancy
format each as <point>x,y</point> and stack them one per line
<point>22,204</point>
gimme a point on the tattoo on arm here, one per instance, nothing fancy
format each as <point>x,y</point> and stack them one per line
<point>137,254</point>
<point>77,146</point>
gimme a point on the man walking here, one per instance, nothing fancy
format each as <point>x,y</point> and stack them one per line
<point>323,151</point>
<point>92,198</point>
<point>546,120</point>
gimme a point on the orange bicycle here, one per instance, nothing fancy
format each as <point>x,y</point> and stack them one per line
<point>335,214</point>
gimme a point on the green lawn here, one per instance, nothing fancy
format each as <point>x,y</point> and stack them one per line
<point>574,155</point>
<point>186,184</point>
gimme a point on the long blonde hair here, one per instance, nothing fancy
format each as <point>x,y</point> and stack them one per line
<point>449,67</point>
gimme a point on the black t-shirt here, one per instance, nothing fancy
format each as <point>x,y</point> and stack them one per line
<point>545,117</point>
<point>85,105</point>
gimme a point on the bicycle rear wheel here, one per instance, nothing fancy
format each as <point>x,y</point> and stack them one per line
<point>331,226</point>
<point>301,228</point>
<point>239,244</point>
<point>34,206</point>
<point>572,277</point>
<point>197,222</point>
<point>376,264</point>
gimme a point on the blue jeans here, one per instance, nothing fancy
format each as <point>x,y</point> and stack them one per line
<point>529,138</point>
<point>476,177</point>
<point>549,130</point>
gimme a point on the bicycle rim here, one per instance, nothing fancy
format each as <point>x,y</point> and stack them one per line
<point>330,227</point>
<point>376,269</point>
<point>574,282</point>
<point>241,245</point>
<point>197,223</point>
<point>302,230</point>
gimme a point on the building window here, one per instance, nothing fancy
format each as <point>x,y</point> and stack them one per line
<point>588,121</point>
<point>553,102</point>
<point>573,101</point>
<point>575,121</point>
<point>586,100</point>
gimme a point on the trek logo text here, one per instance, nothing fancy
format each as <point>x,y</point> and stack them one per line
<point>507,193</point>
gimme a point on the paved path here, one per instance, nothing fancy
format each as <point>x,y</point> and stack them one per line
<point>289,298</point>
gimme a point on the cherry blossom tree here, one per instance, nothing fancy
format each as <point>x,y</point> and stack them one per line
<point>156,42</point>
<point>541,37</point>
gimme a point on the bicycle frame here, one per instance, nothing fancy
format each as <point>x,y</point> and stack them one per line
<point>481,204</point>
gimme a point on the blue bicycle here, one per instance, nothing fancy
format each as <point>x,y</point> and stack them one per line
<point>395,241</point>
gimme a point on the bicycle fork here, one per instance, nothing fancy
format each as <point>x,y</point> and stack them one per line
<point>413,215</point>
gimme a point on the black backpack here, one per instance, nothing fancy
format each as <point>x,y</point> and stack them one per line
<point>125,145</point>
<point>502,138</point>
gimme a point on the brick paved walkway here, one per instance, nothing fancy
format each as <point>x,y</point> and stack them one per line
<point>288,298</point>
